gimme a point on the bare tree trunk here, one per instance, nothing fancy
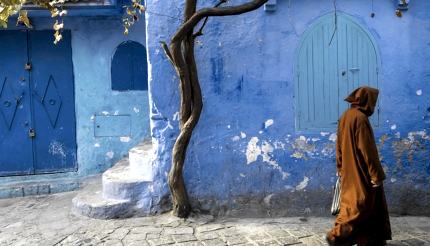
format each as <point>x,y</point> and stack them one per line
<point>181,55</point>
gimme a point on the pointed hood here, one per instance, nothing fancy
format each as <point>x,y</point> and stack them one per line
<point>364,98</point>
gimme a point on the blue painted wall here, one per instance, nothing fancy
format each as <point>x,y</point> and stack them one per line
<point>94,40</point>
<point>259,163</point>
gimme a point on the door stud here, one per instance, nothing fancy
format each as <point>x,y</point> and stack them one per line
<point>31,133</point>
<point>27,66</point>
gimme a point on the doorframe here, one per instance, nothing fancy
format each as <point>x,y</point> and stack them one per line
<point>314,22</point>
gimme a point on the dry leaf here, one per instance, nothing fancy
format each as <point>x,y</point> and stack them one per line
<point>23,18</point>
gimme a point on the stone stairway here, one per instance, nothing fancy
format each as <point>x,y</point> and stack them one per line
<point>124,191</point>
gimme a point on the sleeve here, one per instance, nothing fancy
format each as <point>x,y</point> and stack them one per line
<point>367,148</point>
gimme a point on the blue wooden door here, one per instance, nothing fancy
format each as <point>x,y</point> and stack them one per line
<point>53,102</point>
<point>16,153</point>
<point>335,57</point>
<point>38,130</point>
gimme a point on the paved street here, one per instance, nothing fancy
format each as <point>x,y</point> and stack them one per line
<point>47,220</point>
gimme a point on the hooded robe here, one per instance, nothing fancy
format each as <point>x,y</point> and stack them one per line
<point>363,214</point>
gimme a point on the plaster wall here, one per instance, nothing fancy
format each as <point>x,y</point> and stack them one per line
<point>246,156</point>
<point>94,40</point>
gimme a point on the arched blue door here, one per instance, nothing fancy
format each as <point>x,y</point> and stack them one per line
<point>332,61</point>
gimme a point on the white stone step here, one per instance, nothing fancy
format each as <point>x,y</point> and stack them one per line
<point>124,190</point>
<point>90,202</point>
<point>140,160</point>
<point>122,183</point>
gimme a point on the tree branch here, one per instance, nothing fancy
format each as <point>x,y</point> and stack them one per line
<point>200,31</point>
<point>220,11</point>
<point>190,9</point>
<point>167,52</point>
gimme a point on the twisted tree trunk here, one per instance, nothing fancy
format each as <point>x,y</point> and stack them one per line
<point>181,55</point>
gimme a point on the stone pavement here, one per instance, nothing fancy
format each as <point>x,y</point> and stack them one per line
<point>48,220</point>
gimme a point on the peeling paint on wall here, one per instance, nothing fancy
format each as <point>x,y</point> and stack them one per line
<point>333,137</point>
<point>125,139</point>
<point>409,146</point>
<point>267,199</point>
<point>110,154</point>
<point>253,151</point>
<point>57,148</point>
<point>235,138</point>
<point>176,116</point>
<point>328,149</point>
<point>268,123</point>
<point>302,148</point>
<point>303,184</point>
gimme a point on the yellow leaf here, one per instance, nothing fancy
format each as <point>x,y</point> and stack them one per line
<point>3,24</point>
<point>55,12</point>
<point>57,26</point>
<point>23,18</point>
<point>130,12</point>
<point>57,36</point>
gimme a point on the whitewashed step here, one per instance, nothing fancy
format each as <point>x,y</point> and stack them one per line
<point>125,189</point>
<point>140,160</point>
<point>89,202</point>
<point>122,183</point>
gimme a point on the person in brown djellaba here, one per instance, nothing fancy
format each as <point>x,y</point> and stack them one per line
<point>363,217</point>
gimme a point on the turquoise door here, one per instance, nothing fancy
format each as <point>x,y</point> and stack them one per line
<point>333,60</point>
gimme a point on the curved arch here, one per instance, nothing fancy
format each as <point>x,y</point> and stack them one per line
<point>331,60</point>
<point>340,14</point>
<point>129,69</point>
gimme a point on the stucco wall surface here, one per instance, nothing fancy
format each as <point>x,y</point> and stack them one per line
<point>94,40</point>
<point>246,156</point>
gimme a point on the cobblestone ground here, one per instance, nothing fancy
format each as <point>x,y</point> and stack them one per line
<point>47,220</point>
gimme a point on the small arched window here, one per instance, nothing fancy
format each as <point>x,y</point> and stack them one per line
<point>129,68</point>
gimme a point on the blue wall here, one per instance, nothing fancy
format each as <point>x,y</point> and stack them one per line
<point>94,40</point>
<point>258,162</point>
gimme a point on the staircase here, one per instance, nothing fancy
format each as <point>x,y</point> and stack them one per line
<point>124,191</point>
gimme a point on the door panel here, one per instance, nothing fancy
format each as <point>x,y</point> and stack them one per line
<point>318,78</point>
<point>335,57</point>
<point>53,100</point>
<point>344,87</point>
<point>16,156</point>
<point>361,62</point>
